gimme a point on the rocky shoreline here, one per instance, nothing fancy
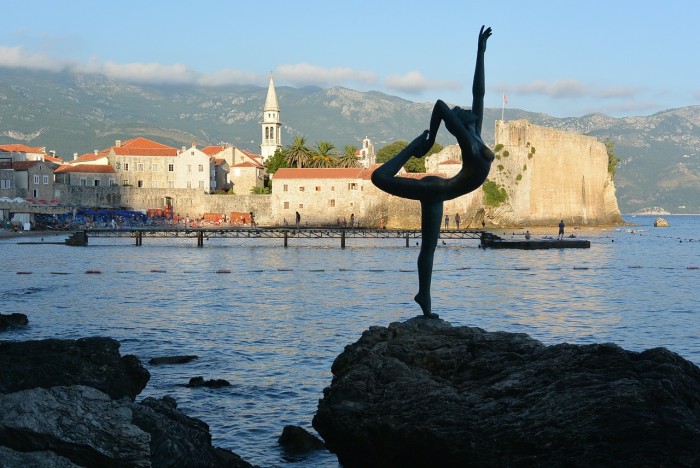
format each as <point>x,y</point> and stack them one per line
<point>419,393</point>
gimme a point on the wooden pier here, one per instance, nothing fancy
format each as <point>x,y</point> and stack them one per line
<point>285,233</point>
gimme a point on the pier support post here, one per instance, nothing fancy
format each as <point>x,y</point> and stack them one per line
<point>406,239</point>
<point>342,239</point>
<point>200,239</point>
<point>285,239</point>
<point>139,239</point>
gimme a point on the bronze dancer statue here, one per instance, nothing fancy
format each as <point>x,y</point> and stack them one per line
<point>432,191</point>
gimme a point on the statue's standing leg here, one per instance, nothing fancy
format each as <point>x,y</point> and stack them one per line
<point>431,219</point>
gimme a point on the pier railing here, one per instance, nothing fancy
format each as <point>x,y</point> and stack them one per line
<point>286,233</point>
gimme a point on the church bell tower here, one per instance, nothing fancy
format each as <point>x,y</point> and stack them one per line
<point>271,125</point>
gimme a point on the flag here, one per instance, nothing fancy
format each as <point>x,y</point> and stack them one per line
<point>505,99</point>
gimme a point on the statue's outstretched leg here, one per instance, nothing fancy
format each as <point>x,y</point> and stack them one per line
<point>431,218</point>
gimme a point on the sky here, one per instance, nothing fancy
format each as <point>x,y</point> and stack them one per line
<point>562,58</point>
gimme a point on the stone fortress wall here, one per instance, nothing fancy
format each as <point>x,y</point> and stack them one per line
<point>548,175</point>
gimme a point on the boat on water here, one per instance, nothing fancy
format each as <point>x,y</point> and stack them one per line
<point>493,241</point>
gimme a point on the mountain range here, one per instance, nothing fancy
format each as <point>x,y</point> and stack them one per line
<point>77,113</point>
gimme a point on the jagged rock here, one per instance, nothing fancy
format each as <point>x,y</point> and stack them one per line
<point>78,423</point>
<point>172,359</point>
<point>45,459</point>
<point>179,440</point>
<point>12,320</point>
<point>424,393</point>
<point>94,362</point>
<point>660,222</point>
<point>296,439</point>
<point>212,383</point>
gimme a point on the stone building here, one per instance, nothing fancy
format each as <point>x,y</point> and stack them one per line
<point>33,179</point>
<point>193,169</point>
<point>143,163</point>
<point>321,196</point>
<point>245,169</point>
<point>86,175</point>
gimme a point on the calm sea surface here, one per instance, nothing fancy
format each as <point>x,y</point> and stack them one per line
<point>273,326</point>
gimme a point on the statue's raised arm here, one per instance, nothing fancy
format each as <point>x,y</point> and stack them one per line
<point>479,84</point>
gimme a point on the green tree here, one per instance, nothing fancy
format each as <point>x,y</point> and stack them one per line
<point>613,161</point>
<point>276,161</point>
<point>324,156</point>
<point>414,164</point>
<point>298,154</point>
<point>349,157</point>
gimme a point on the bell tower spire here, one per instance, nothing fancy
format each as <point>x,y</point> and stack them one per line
<point>271,124</point>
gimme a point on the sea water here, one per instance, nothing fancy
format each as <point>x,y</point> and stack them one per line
<point>274,324</point>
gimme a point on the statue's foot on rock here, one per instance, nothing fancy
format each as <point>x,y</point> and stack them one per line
<point>425,303</point>
<point>431,316</point>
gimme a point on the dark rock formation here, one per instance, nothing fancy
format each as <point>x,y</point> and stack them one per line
<point>172,360</point>
<point>66,403</point>
<point>12,320</point>
<point>94,362</point>
<point>297,440</point>
<point>179,440</point>
<point>424,393</point>
<point>212,383</point>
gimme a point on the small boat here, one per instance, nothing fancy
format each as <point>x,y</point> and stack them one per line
<point>495,242</point>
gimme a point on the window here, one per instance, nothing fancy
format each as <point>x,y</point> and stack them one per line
<point>189,168</point>
<point>46,180</point>
<point>125,182</point>
<point>352,186</point>
<point>126,166</point>
<point>201,168</point>
<point>139,167</point>
<point>191,153</point>
<point>318,188</point>
<point>153,168</point>
<point>118,165</point>
<point>331,203</point>
<point>96,182</point>
<point>112,182</point>
<point>285,187</point>
<point>286,205</point>
<point>189,184</point>
<point>301,205</point>
<point>301,189</point>
<point>139,183</point>
<point>6,183</point>
<point>333,188</point>
<point>36,179</point>
<point>171,167</point>
<point>83,181</point>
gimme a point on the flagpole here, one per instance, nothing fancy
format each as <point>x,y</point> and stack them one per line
<point>503,107</point>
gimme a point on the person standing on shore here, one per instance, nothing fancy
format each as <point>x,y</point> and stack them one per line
<point>561,229</point>
<point>447,221</point>
<point>457,220</point>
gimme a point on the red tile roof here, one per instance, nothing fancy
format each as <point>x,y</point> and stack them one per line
<point>143,147</point>
<point>20,148</point>
<point>88,157</point>
<point>248,164</point>
<point>85,168</point>
<point>212,150</point>
<point>330,173</point>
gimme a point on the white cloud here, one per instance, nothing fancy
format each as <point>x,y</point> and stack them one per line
<point>568,89</point>
<point>414,83</point>
<point>302,74</point>
<point>150,72</point>
<point>16,57</point>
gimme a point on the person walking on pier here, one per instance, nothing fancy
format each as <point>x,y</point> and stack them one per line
<point>432,191</point>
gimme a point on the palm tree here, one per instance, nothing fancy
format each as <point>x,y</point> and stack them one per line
<point>324,155</point>
<point>349,157</point>
<point>298,154</point>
